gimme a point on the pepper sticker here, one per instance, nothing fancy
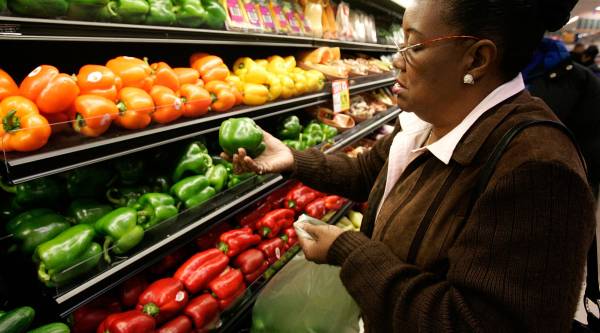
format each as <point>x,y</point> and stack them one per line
<point>94,77</point>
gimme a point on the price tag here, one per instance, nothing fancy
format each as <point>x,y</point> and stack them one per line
<point>341,95</point>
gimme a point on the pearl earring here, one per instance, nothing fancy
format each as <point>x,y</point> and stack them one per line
<point>469,79</point>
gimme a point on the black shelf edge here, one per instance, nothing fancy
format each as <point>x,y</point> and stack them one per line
<point>64,153</point>
<point>24,28</point>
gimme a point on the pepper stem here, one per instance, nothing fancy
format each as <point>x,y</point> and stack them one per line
<point>122,108</point>
<point>43,274</point>
<point>11,122</point>
<point>223,247</point>
<point>79,122</point>
<point>110,196</point>
<point>291,204</point>
<point>151,309</point>
<point>264,231</point>
<point>105,247</point>
<point>8,188</point>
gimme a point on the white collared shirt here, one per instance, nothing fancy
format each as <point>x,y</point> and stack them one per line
<point>408,144</point>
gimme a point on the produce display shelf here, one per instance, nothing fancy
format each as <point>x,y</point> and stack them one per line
<point>232,319</point>
<point>184,228</point>
<point>67,152</point>
<point>22,28</point>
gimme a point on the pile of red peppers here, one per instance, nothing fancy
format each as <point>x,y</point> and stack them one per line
<point>211,281</point>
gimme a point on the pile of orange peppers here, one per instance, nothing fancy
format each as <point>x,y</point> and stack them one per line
<point>128,92</point>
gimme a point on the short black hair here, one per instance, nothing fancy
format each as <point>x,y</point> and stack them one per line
<point>591,51</point>
<point>515,26</point>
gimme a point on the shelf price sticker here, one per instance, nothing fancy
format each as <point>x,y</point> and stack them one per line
<point>341,95</point>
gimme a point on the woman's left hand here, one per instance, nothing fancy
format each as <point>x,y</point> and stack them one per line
<point>324,235</point>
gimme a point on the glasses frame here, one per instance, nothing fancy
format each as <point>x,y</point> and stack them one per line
<point>403,50</point>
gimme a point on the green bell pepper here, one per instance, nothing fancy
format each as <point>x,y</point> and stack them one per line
<point>87,261</point>
<point>236,133</point>
<point>46,8</point>
<point>119,227</point>
<point>200,197</point>
<point>86,10</point>
<point>154,208</point>
<point>160,184</point>
<point>216,14</point>
<point>217,177</point>
<point>15,223</point>
<point>125,11</point>
<point>290,128</point>
<point>17,320</point>
<point>126,196</point>
<point>308,140</point>
<point>190,13</point>
<point>44,192</point>
<point>2,6</point>
<point>329,132</point>
<point>131,170</point>
<point>34,228</point>
<point>188,187</point>
<point>313,131</point>
<point>52,328</point>
<point>62,251</point>
<point>87,211</point>
<point>294,144</point>
<point>88,182</point>
<point>195,160</point>
<point>161,13</point>
<point>235,180</point>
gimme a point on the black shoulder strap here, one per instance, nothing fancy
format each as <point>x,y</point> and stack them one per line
<point>592,290</point>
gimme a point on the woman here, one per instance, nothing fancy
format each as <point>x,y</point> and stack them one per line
<point>516,263</point>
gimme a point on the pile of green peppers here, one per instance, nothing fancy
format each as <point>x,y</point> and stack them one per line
<point>187,13</point>
<point>295,136</point>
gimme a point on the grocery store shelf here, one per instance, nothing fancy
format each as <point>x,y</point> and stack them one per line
<point>21,28</point>
<point>66,152</point>
<point>178,231</point>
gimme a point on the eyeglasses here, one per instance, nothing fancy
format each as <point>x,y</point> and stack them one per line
<point>419,46</point>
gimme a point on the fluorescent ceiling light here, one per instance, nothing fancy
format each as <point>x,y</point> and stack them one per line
<point>598,8</point>
<point>573,20</point>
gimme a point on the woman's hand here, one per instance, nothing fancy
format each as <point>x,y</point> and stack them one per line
<point>276,158</point>
<point>324,235</point>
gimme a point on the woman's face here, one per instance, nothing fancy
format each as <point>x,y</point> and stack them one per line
<point>430,79</point>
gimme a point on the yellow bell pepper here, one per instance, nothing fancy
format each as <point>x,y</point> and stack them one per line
<point>290,62</point>
<point>316,80</point>
<point>288,88</point>
<point>242,65</point>
<point>277,65</point>
<point>256,74</point>
<point>262,63</point>
<point>235,81</point>
<point>255,94</point>
<point>274,86</point>
<point>300,82</point>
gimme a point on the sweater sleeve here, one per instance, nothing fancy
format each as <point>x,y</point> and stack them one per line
<point>516,267</point>
<point>340,174</point>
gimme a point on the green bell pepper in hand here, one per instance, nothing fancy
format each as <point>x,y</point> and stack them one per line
<point>44,192</point>
<point>87,211</point>
<point>46,9</point>
<point>154,208</point>
<point>216,14</point>
<point>86,10</point>
<point>217,177</point>
<point>236,133</point>
<point>33,228</point>
<point>87,261</point>
<point>290,129</point>
<point>119,227</point>
<point>88,182</point>
<point>195,160</point>
<point>190,13</point>
<point>62,251</point>
<point>161,13</point>
<point>200,197</point>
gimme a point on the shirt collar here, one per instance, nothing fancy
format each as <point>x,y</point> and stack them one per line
<point>443,149</point>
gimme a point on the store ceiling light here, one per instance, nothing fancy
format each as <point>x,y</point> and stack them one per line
<point>598,8</point>
<point>573,20</point>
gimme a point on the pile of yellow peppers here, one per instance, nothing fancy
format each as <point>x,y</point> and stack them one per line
<point>265,80</point>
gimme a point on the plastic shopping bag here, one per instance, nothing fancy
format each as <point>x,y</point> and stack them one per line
<point>305,297</point>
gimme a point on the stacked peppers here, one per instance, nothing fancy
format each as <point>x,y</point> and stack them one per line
<point>295,136</point>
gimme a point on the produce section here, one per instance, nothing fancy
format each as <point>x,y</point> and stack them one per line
<point>118,209</point>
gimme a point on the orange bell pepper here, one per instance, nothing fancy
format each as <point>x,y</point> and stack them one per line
<point>51,91</point>
<point>93,114</point>
<point>8,87</point>
<point>196,56</point>
<point>133,71</point>
<point>99,80</point>
<point>187,75</point>
<point>222,95</point>
<point>135,107</point>
<point>196,100</point>
<point>211,68</point>
<point>165,76</point>
<point>23,128</point>
<point>168,106</point>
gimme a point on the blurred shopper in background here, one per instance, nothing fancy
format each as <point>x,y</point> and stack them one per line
<point>577,52</point>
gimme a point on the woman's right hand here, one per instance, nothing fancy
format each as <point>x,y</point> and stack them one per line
<point>276,158</point>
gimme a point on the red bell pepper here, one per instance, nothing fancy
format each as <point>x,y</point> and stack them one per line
<point>163,299</point>
<point>235,241</point>
<point>225,304</point>
<point>203,310</point>
<point>249,219</point>
<point>334,202</point>
<point>274,221</point>
<point>209,239</point>
<point>289,237</point>
<point>227,284</point>
<point>130,290</point>
<point>87,318</point>
<point>252,263</point>
<point>316,209</point>
<point>169,262</point>
<point>133,321</point>
<point>257,273</point>
<point>299,197</point>
<point>181,324</point>
<point>272,249</point>
<point>201,268</point>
